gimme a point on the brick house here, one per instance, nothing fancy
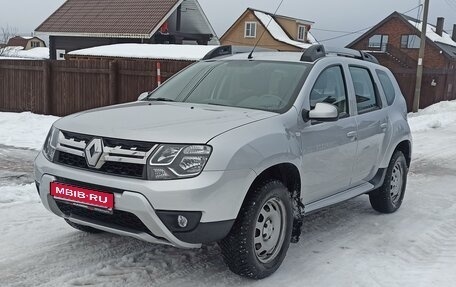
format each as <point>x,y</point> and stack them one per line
<point>81,24</point>
<point>395,42</point>
<point>283,33</point>
<point>26,42</point>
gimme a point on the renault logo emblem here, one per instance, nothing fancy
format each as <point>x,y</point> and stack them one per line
<point>93,152</point>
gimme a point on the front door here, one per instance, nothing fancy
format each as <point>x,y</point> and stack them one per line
<point>328,148</point>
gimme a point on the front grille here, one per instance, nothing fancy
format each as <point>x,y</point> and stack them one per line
<point>128,144</point>
<point>119,157</point>
<point>124,169</point>
<point>77,137</point>
<point>118,218</point>
<point>113,168</point>
<point>70,159</point>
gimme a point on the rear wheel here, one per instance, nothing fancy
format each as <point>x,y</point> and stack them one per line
<point>260,237</point>
<point>388,198</point>
<point>84,228</point>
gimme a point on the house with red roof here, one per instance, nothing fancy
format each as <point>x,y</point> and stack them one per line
<point>81,24</point>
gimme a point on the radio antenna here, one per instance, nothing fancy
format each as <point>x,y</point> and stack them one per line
<point>262,34</point>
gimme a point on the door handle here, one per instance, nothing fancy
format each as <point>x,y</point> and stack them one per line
<point>384,126</point>
<point>352,135</point>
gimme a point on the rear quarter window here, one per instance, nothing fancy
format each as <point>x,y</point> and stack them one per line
<point>388,87</point>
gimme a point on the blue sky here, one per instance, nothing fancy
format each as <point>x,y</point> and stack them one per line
<point>349,15</point>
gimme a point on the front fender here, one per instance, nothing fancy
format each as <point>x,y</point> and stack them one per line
<point>257,145</point>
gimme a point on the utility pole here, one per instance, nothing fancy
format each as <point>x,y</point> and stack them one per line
<point>419,71</point>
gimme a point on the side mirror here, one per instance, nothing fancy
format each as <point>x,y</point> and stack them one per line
<point>324,112</point>
<point>143,96</point>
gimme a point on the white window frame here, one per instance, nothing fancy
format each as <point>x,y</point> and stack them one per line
<point>303,34</point>
<point>59,52</point>
<point>252,32</point>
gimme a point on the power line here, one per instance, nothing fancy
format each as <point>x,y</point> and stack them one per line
<point>345,35</point>
<point>418,17</point>
<point>419,6</point>
<point>334,31</point>
<point>361,30</point>
<point>452,4</point>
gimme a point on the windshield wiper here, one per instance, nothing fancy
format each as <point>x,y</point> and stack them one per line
<point>160,100</point>
<point>218,104</point>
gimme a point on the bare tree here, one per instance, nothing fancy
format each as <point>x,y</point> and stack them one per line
<point>6,33</point>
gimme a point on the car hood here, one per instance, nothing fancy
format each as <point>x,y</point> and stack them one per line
<point>160,121</point>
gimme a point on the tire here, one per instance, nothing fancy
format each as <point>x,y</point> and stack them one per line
<point>83,228</point>
<point>254,253</point>
<point>388,198</point>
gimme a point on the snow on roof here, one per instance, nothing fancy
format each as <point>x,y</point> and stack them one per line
<point>14,53</point>
<point>311,38</point>
<point>432,35</point>
<point>148,51</point>
<point>277,32</point>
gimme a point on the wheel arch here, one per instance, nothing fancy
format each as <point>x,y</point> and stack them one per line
<point>289,174</point>
<point>406,148</point>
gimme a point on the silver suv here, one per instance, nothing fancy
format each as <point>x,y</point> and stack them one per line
<point>235,149</point>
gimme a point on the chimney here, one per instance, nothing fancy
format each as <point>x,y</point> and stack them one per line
<point>440,23</point>
<point>454,33</point>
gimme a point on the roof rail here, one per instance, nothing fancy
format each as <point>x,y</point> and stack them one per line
<point>316,52</point>
<point>229,50</point>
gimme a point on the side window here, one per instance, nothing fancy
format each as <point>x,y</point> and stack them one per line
<point>366,96</point>
<point>330,88</point>
<point>387,86</point>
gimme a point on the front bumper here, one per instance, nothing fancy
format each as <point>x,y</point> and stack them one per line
<point>218,195</point>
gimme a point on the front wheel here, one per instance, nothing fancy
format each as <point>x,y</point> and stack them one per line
<point>260,237</point>
<point>388,198</point>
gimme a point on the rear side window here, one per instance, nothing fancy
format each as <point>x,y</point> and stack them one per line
<point>366,96</point>
<point>387,86</point>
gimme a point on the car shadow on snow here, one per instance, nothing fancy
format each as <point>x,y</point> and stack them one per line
<point>121,260</point>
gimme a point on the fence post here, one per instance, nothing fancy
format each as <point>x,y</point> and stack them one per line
<point>159,79</point>
<point>113,88</point>
<point>47,88</point>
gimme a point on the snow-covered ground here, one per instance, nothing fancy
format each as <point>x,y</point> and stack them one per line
<point>24,130</point>
<point>346,245</point>
<point>18,53</point>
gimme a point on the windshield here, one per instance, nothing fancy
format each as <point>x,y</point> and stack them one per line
<point>263,85</point>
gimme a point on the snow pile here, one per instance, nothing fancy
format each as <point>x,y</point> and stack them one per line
<point>148,51</point>
<point>436,116</point>
<point>14,53</point>
<point>24,130</point>
<point>277,32</point>
<point>35,53</point>
<point>433,36</point>
<point>18,194</point>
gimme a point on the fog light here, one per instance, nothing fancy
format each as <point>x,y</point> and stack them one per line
<point>182,221</point>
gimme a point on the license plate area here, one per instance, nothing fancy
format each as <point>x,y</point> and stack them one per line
<point>84,197</point>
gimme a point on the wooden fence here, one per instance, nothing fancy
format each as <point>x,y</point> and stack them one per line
<point>437,86</point>
<point>64,87</point>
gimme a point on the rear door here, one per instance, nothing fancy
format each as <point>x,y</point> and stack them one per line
<point>372,123</point>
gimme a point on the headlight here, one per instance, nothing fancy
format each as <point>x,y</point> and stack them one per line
<point>177,161</point>
<point>51,144</point>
